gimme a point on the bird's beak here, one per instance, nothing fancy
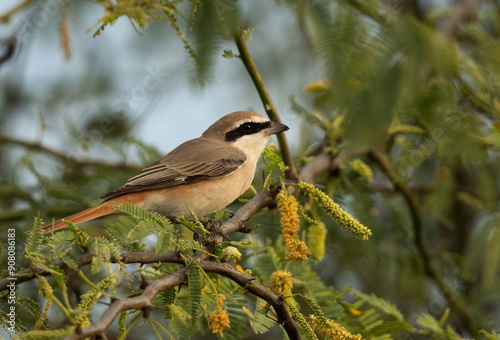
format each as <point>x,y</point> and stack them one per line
<point>275,128</point>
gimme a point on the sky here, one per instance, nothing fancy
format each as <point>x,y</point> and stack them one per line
<point>152,74</point>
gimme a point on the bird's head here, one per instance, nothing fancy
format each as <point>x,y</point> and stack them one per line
<point>245,130</point>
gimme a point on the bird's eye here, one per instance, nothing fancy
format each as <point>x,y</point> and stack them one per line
<point>246,129</point>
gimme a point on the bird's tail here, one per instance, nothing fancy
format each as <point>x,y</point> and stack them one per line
<point>82,216</point>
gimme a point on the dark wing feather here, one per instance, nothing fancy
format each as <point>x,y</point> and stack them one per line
<point>191,162</point>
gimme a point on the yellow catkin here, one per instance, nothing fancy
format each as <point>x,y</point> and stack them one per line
<point>343,218</point>
<point>362,168</point>
<point>219,320</point>
<point>317,237</point>
<point>320,85</point>
<point>231,253</point>
<point>281,282</point>
<point>334,331</point>
<point>220,299</point>
<point>288,209</point>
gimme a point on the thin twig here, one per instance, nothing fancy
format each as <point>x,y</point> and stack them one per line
<point>82,260</point>
<point>321,163</point>
<point>63,155</point>
<point>250,284</point>
<point>266,101</point>
<point>138,302</point>
<point>6,16</point>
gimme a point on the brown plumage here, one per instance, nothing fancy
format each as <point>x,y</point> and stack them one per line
<point>205,173</point>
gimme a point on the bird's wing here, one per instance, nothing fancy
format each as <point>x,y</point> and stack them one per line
<point>196,160</point>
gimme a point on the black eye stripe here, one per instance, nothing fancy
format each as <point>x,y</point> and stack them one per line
<point>248,128</point>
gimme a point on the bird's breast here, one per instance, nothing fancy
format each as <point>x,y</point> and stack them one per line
<point>203,197</point>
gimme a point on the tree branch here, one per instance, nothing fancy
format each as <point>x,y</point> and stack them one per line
<point>82,260</point>
<point>453,298</point>
<point>250,284</point>
<point>63,155</point>
<point>321,163</point>
<point>138,302</point>
<point>247,60</point>
<point>178,277</point>
<point>6,16</point>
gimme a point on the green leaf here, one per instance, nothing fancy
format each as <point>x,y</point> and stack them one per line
<point>490,336</point>
<point>315,118</point>
<point>260,322</point>
<point>186,244</point>
<point>390,327</point>
<point>163,243</point>
<point>272,159</point>
<point>238,318</point>
<point>222,215</point>
<point>142,230</point>
<point>142,214</point>
<point>167,298</point>
<point>150,272</point>
<point>381,304</point>
<point>89,299</point>
<point>228,54</point>
<point>104,250</point>
<point>317,311</point>
<point>428,322</point>
<point>36,238</point>
<point>101,256</point>
<point>195,285</point>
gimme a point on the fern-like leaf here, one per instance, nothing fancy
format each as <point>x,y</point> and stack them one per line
<point>238,318</point>
<point>380,304</point>
<point>163,243</point>
<point>35,239</point>
<point>272,159</point>
<point>142,214</point>
<point>180,325</point>
<point>185,244</point>
<point>167,298</point>
<point>318,312</point>
<point>390,327</point>
<point>195,285</point>
<point>150,272</point>
<point>261,322</point>
<point>142,230</point>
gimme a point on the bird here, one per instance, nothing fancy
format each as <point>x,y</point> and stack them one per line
<point>205,174</point>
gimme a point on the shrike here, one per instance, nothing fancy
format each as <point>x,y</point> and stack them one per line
<point>205,173</point>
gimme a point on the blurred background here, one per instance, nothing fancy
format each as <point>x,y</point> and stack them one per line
<point>418,80</point>
<point>142,81</point>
